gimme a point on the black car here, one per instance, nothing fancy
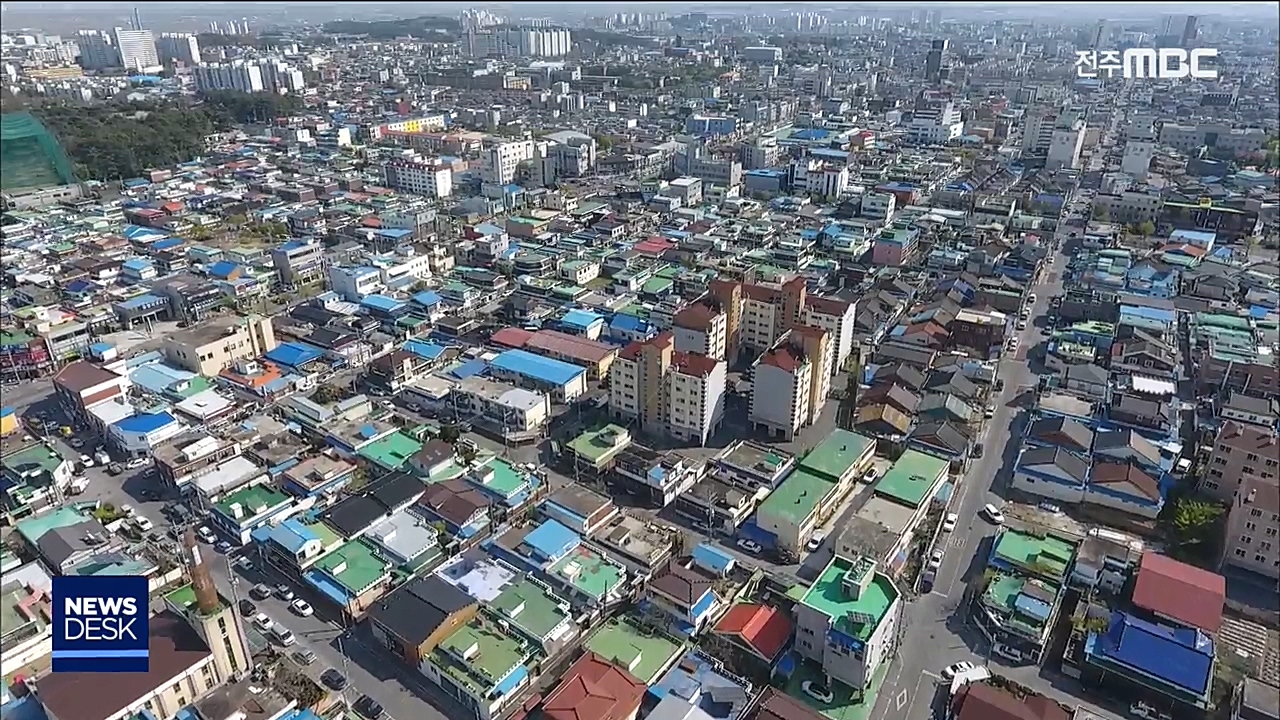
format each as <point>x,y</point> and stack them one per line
<point>368,707</point>
<point>977,450</point>
<point>333,679</point>
<point>247,608</point>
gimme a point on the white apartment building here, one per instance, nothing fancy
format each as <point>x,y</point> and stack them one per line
<point>824,179</point>
<point>780,392</point>
<point>1139,147</point>
<point>878,206</point>
<point>1188,139</point>
<point>936,125</point>
<point>1130,206</point>
<point>667,392</point>
<point>244,77</point>
<point>702,330</point>
<point>501,161</point>
<point>522,42</point>
<point>137,49</point>
<point>353,283</point>
<point>419,178</point>
<point>837,318</point>
<point>1065,144</point>
<point>404,263</point>
<point>182,47</point>
<point>97,50</point>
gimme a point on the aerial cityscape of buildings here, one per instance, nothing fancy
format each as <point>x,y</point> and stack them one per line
<point>663,364</point>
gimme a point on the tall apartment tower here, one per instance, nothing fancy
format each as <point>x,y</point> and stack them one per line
<point>137,49</point>
<point>933,60</point>
<point>1190,31</point>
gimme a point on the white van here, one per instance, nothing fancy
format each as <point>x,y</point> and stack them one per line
<point>282,635</point>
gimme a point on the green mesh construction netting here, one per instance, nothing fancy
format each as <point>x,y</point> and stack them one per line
<point>30,157</point>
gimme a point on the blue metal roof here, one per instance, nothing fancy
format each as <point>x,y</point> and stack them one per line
<point>428,350</point>
<point>136,264</point>
<point>167,244</point>
<point>551,539</point>
<point>381,302</point>
<point>222,269</point>
<point>427,298</point>
<point>1182,657</point>
<point>145,423</point>
<point>470,368</point>
<point>143,301</point>
<point>293,354</point>
<point>580,318</point>
<point>537,367</point>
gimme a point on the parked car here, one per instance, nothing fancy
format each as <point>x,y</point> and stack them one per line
<point>144,524</point>
<point>304,656</point>
<point>247,608</point>
<point>951,671</point>
<point>870,475</point>
<point>262,622</point>
<point>750,546</point>
<point>115,469</point>
<point>817,692</point>
<point>935,560</point>
<point>368,707</point>
<point>1050,508</point>
<point>302,607</point>
<point>260,592</point>
<point>977,451</point>
<point>815,543</point>
<point>86,461</point>
<point>284,592</point>
<point>333,679</point>
<point>204,533</point>
<point>223,547</point>
<point>949,523</point>
<point>992,513</point>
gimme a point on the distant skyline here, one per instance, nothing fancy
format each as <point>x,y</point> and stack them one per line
<point>63,17</point>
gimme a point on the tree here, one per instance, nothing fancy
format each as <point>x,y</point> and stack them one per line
<point>1192,527</point>
<point>359,478</point>
<point>450,434</point>
<point>1100,214</point>
<point>1146,229</point>
<point>467,452</point>
<point>604,143</point>
<point>326,394</point>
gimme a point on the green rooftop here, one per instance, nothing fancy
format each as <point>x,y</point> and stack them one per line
<point>644,653</point>
<point>796,497</point>
<point>600,444</point>
<point>858,617</point>
<point>32,461</point>
<point>355,566</point>
<point>837,454</point>
<point>253,501</point>
<point>32,529</point>
<point>391,452</point>
<point>1046,555</point>
<point>913,479</point>
<point>530,608</point>
<point>479,655</point>
<point>185,597</point>
<point>588,572</point>
<point>499,477</point>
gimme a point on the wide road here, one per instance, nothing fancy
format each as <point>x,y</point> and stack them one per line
<point>936,635</point>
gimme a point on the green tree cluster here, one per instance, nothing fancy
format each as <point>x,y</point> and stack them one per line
<point>391,29</point>
<point>118,141</point>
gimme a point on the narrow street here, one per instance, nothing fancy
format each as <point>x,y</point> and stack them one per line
<point>936,633</point>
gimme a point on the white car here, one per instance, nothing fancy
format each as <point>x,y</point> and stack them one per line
<point>817,692</point>
<point>1022,325</point>
<point>205,534</point>
<point>262,622</point>
<point>992,513</point>
<point>869,476</point>
<point>128,510</point>
<point>750,546</point>
<point>302,607</point>
<point>86,461</point>
<point>815,543</point>
<point>951,671</point>
<point>949,523</point>
<point>144,524</point>
<point>935,560</point>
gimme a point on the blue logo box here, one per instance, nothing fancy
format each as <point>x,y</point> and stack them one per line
<point>100,624</point>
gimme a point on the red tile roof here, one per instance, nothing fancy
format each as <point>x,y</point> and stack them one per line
<point>763,628</point>
<point>632,351</point>
<point>595,689</point>
<point>511,337</point>
<point>783,358</point>
<point>1180,592</point>
<point>980,701</point>
<point>693,364</point>
<point>697,316</point>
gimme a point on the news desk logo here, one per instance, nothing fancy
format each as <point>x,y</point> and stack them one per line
<point>100,624</point>
<point>1142,63</point>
